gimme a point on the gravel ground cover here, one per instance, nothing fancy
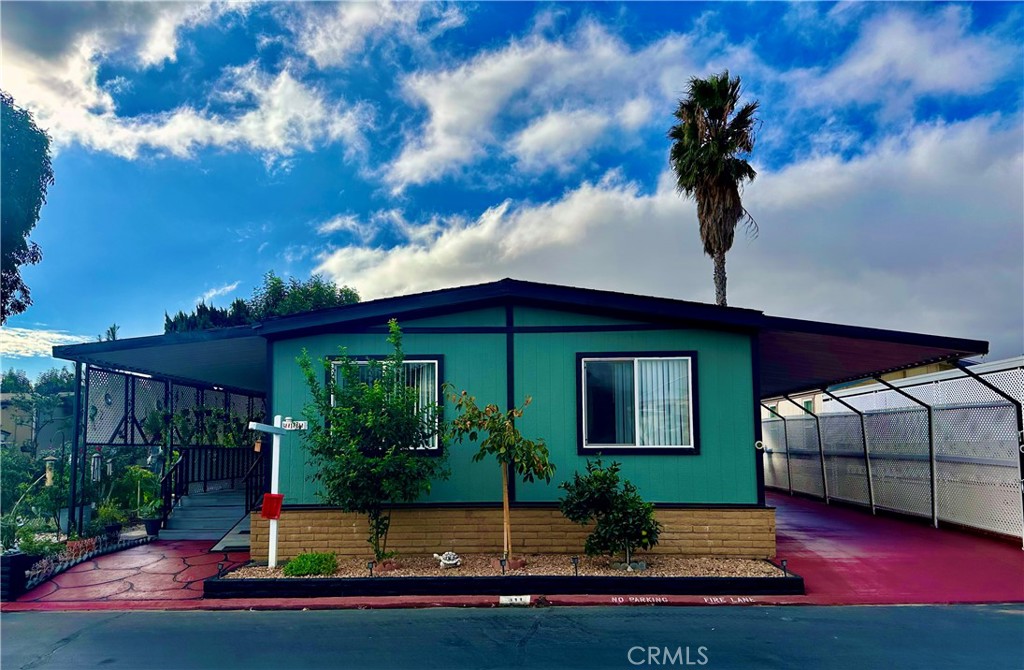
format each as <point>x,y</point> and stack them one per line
<point>537,564</point>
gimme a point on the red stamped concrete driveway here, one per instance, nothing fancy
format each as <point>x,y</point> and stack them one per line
<point>848,556</point>
<point>158,571</point>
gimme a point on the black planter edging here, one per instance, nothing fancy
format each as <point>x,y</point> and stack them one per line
<point>494,586</point>
<point>12,574</point>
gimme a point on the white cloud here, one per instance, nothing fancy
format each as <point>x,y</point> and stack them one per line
<point>901,56</point>
<point>520,96</point>
<point>332,35</point>
<point>529,78</point>
<point>31,342</point>
<point>281,114</point>
<point>894,238</point>
<point>284,115</point>
<point>558,139</point>
<point>218,291</point>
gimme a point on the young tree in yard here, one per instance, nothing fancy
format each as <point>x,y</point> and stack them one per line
<point>708,148</point>
<point>527,458</point>
<point>624,522</point>
<point>26,175</point>
<point>366,436</point>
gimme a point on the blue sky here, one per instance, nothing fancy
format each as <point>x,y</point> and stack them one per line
<point>404,147</point>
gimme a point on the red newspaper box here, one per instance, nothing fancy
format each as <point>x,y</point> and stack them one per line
<point>272,505</point>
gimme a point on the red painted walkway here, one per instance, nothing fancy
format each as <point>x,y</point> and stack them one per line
<point>158,571</point>
<point>846,557</point>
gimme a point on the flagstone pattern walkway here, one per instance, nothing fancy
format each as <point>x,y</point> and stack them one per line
<point>161,570</point>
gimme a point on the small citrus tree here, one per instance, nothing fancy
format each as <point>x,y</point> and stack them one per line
<point>625,522</point>
<point>527,458</point>
<point>366,435</point>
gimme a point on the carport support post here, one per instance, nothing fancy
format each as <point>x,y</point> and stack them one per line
<point>1018,415</point>
<point>864,441</point>
<point>76,431</point>
<point>931,443</point>
<point>785,436</point>
<point>821,447</point>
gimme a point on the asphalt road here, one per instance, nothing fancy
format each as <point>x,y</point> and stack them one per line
<point>805,638</point>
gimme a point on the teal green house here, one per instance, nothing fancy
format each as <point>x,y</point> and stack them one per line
<point>670,389</point>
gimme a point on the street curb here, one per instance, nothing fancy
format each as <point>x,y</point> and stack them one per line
<point>418,602</point>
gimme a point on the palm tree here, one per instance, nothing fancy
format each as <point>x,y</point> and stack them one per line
<point>707,148</point>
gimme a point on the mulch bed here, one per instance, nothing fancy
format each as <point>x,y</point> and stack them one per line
<point>474,565</point>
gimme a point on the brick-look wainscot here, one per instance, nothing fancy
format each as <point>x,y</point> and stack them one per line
<point>743,533</point>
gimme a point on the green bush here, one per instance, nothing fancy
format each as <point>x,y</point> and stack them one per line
<point>151,510</point>
<point>624,522</point>
<point>311,564</point>
<point>30,544</point>
<point>110,513</point>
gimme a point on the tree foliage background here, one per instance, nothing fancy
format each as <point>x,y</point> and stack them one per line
<point>275,297</point>
<point>26,175</point>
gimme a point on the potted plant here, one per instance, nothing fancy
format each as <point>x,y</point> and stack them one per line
<point>151,516</point>
<point>111,519</point>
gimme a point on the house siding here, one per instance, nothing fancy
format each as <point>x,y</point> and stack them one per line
<point>723,472</point>
<point>544,368</point>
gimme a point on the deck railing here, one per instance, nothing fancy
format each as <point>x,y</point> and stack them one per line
<point>197,469</point>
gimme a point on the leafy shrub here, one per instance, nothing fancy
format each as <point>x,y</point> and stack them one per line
<point>311,564</point>
<point>8,531</point>
<point>624,522</point>
<point>30,544</point>
<point>110,513</point>
<point>151,510</point>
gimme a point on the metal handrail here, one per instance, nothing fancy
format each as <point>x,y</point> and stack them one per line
<point>169,489</point>
<point>254,484</point>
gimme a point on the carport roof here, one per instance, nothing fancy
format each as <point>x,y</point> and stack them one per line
<point>794,355</point>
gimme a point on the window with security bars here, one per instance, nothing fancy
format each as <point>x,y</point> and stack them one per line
<point>637,402</point>
<point>421,375</point>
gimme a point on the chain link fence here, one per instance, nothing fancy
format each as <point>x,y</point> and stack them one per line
<point>883,451</point>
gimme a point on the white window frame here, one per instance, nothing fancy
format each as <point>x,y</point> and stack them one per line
<point>636,403</point>
<point>437,383</point>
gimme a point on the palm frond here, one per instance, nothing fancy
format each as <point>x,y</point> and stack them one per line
<point>706,156</point>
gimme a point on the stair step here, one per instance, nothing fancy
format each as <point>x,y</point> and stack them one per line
<point>211,500</point>
<point>199,524</point>
<point>171,534</point>
<point>233,513</point>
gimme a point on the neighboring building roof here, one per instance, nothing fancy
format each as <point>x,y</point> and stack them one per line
<point>794,355</point>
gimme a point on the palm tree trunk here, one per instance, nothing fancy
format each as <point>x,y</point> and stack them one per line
<point>720,278</point>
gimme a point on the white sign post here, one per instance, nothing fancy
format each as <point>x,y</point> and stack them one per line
<point>277,430</point>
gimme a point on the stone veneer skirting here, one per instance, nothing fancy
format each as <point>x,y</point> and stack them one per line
<point>721,532</point>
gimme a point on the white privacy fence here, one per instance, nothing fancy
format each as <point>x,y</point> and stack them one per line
<point>963,466</point>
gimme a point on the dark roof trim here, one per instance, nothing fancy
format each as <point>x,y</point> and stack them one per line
<point>965,346</point>
<point>78,352</point>
<point>503,292</point>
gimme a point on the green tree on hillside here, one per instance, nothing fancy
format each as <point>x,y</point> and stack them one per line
<point>15,381</point>
<point>275,297</point>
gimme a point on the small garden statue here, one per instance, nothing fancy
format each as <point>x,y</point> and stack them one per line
<point>448,559</point>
